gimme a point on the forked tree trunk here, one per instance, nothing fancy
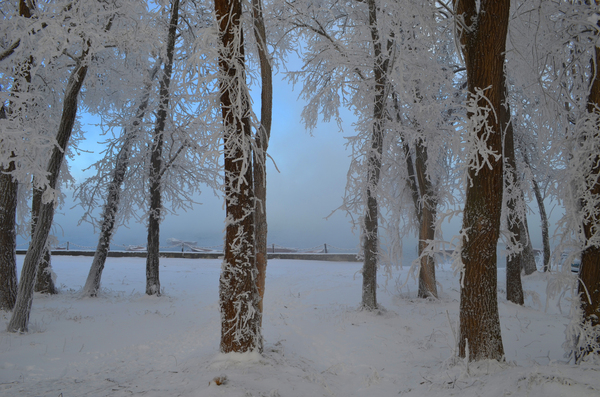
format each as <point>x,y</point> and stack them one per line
<point>19,321</point>
<point>260,152</point>
<point>111,207</point>
<point>44,282</point>
<point>238,293</point>
<point>156,163</point>
<point>483,38</point>
<point>371,217</point>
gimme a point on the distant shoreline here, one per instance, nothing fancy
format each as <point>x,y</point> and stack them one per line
<point>211,255</point>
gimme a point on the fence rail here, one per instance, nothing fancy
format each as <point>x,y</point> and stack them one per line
<point>184,250</point>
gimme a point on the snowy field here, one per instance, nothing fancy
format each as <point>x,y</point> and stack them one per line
<point>317,343</point>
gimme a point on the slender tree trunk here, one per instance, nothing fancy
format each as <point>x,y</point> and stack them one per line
<point>484,39</point>
<point>545,227</point>
<point>111,207</point>
<point>43,280</point>
<point>371,217</point>
<point>260,152</point>
<point>528,264</point>
<point>19,321</point>
<point>8,236</point>
<point>427,284</point>
<point>238,293</point>
<point>514,288</point>
<point>156,163</point>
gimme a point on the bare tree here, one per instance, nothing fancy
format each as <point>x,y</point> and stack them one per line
<point>156,161</point>
<point>109,212</point>
<point>19,321</point>
<point>371,216</point>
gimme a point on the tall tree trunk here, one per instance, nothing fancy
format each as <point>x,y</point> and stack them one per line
<point>156,163</point>
<point>589,274</point>
<point>260,152</point>
<point>8,199</point>
<point>44,282</point>
<point>111,207</point>
<point>19,321</point>
<point>427,284</point>
<point>514,287</point>
<point>483,38</point>
<point>238,293</point>
<point>8,236</point>
<point>371,217</point>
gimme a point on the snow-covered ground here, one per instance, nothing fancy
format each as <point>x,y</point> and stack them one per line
<point>316,341</point>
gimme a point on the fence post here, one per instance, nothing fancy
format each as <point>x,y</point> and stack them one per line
<point>273,248</point>
<point>67,245</point>
<point>325,247</point>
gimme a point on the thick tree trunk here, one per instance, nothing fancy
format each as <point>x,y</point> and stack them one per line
<point>589,274</point>
<point>238,293</point>
<point>156,163</point>
<point>8,198</point>
<point>261,145</point>
<point>371,217</point>
<point>427,284</point>
<point>483,38</point>
<point>44,282</point>
<point>19,321</point>
<point>111,207</point>
<point>8,238</point>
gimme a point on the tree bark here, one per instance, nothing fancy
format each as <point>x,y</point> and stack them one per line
<point>589,270</point>
<point>514,287</point>
<point>8,237</point>
<point>238,293</point>
<point>111,207</point>
<point>8,199</point>
<point>545,227</point>
<point>483,38</point>
<point>260,152</point>
<point>19,321</point>
<point>371,217</point>
<point>156,163</point>
<point>43,280</point>
<point>528,264</point>
<point>427,283</point>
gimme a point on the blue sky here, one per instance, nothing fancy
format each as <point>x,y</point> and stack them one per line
<point>308,187</point>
